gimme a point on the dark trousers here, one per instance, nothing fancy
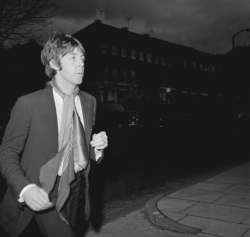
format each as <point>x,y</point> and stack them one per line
<point>49,222</point>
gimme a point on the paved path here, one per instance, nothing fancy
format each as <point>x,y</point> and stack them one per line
<point>218,206</point>
<point>215,207</point>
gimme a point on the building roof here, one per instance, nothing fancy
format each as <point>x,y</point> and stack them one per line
<point>100,31</point>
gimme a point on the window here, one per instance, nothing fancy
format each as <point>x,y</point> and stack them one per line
<point>124,75</point>
<point>149,57</point>
<point>133,53</point>
<point>104,48</point>
<point>133,74</point>
<point>213,69</point>
<point>114,73</point>
<point>184,62</point>
<point>163,60</point>
<point>194,64</point>
<point>156,59</point>
<point>124,52</point>
<point>201,66</point>
<point>114,50</point>
<point>141,56</point>
<point>105,74</point>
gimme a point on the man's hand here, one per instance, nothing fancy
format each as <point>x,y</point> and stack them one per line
<point>99,141</point>
<point>37,199</point>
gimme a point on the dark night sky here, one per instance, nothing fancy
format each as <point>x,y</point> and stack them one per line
<point>206,25</point>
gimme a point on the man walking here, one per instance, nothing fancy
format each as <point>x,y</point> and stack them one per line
<point>47,146</point>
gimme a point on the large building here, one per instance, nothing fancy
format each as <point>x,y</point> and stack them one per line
<point>122,64</point>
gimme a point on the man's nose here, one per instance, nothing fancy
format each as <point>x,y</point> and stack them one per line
<point>81,63</point>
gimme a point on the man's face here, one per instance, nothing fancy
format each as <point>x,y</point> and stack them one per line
<point>72,65</point>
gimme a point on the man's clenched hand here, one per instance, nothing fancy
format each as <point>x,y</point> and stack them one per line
<point>37,199</point>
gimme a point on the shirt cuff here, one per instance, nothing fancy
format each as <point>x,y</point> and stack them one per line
<point>98,154</point>
<point>23,191</point>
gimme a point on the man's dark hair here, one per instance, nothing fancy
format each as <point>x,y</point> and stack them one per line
<point>57,47</point>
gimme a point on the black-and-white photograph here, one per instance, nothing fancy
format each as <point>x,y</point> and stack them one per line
<point>125,118</point>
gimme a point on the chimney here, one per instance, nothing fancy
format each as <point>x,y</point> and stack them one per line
<point>100,15</point>
<point>128,21</point>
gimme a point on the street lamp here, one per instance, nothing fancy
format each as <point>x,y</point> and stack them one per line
<point>233,37</point>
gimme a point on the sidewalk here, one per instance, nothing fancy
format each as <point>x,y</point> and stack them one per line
<point>218,206</point>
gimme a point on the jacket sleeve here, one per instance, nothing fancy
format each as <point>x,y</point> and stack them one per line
<point>92,150</point>
<point>12,146</point>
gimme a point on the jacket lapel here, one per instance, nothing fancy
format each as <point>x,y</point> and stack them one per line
<point>86,116</point>
<point>48,115</point>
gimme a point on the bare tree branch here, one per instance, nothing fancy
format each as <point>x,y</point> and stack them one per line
<point>21,19</point>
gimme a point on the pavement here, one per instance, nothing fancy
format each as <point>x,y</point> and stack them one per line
<point>217,206</point>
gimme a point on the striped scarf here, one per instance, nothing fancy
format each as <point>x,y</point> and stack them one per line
<point>64,159</point>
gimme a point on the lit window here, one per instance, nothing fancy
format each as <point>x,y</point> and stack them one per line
<point>104,48</point>
<point>141,56</point>
<point>156,59</point>
<point>149,57</point>
<point>114,50</point>
<point>124,52</point>
<point>163,61</point>
<point>133,53</point>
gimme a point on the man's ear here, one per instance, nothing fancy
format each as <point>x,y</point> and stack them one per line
<point>54,65</point>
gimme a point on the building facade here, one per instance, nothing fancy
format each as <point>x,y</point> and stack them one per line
<point>121,65</point>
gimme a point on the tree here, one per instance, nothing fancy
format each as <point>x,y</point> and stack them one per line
<point>21,19</point>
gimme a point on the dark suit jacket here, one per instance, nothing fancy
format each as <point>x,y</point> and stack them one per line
<point>30,141</point>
